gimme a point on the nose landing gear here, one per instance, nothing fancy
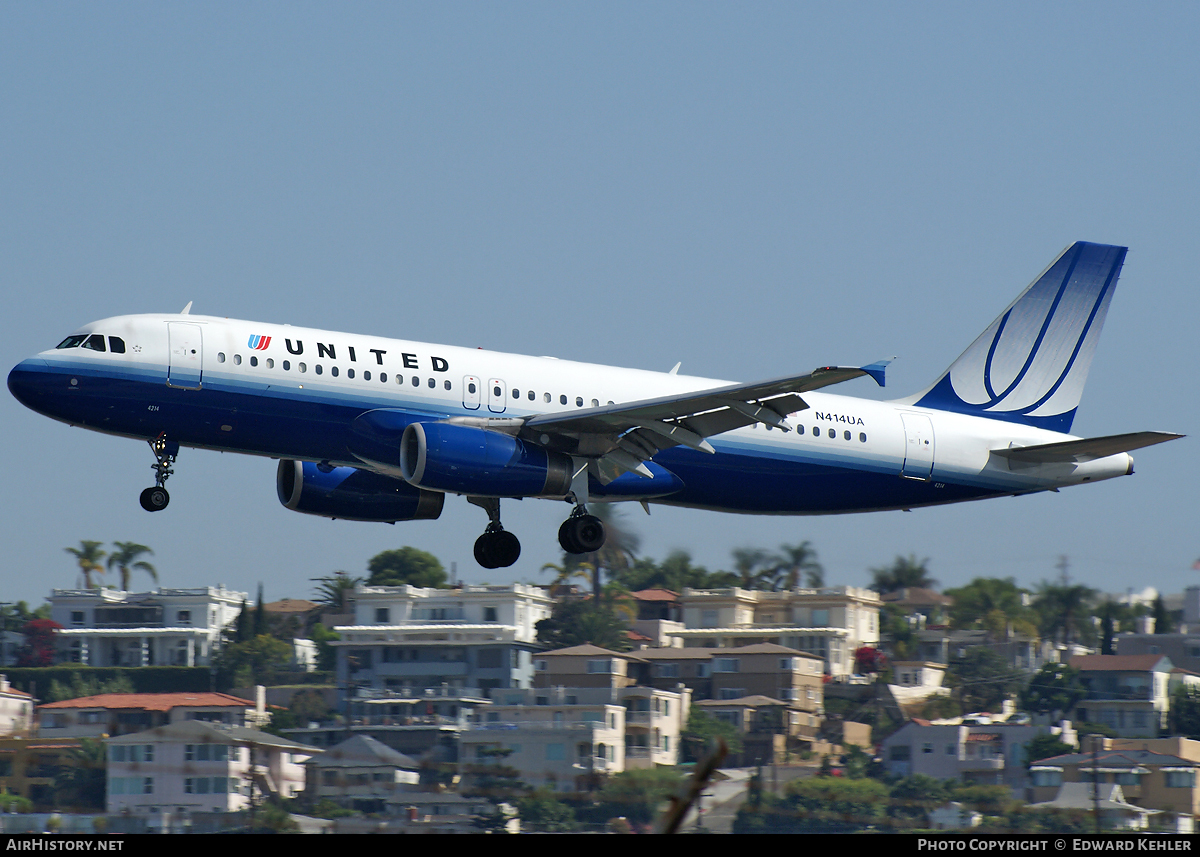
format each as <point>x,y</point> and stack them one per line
<point>497,547</point>
<point>156,499</point>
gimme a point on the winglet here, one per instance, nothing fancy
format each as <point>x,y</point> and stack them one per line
<point>875,370</point>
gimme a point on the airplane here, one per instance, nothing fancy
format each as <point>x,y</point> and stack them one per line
<point>373,429</point>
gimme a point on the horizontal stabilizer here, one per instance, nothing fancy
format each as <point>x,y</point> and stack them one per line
<point>1088,449</point>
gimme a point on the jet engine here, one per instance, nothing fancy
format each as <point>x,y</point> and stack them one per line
<point>352,494</point>
<point>469,460</point>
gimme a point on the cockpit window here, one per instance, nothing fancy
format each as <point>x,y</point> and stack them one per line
<point>72,341</point>
<point>116,345</point>
<point>95,342</point>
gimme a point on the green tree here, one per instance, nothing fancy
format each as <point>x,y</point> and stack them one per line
<point>126,559</point>
<point>1044,746</point>
<point>1064,611</point>
<point>639,795</point>
<point>991,604</point>
<point>334,590</point>
<point>752,567</point>
<point>903,573</point>
<point>88,556</point>
<point>983,678</point>
<point>260,615</point>
<point>676,573</point>
<point>80,784</point>
<point>326,654</point>
<point>915,796</point>
<point>255,661</point>
<point>1162,619</point>
<point>406,566</point>
<point>1184,714</point>
<point>700,736</point>
<point>1054,689</point>
<point>542,812</point>
<point>797,563</point>
<point>573,623</point>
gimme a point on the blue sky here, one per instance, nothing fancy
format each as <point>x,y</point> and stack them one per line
<point>749,189</point>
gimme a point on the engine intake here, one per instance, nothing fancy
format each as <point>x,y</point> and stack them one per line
<point>352,494</point>
<point>468,460</point>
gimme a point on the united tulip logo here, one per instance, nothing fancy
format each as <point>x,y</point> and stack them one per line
<point>259,343</point>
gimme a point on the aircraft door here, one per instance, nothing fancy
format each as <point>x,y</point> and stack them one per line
<point>471,393</point>
<point>185,346</point>
<point>918,447</point>
<point>497,396</point>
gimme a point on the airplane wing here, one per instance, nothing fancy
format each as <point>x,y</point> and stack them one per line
<point>1088,449</point>
<point>620,438</point>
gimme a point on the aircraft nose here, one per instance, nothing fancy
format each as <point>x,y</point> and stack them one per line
<point>27,379</point>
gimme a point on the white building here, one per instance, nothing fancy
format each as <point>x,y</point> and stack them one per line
<point>16,710</point>
<point>831,623</point>
<point>201,767</point>
<point>163,627</point>
<point>407,638</point>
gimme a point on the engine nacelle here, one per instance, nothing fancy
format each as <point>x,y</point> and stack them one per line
<point>352,494</point>
<point>469,460</point>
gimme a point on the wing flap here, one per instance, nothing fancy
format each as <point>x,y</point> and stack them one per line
<point>1087,449</point>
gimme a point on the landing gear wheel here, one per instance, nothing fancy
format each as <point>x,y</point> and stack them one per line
<point>155,499</point>
<point>497,549</point>
<point>581,534</point>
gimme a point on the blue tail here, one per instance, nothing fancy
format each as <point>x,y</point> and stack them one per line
<point>1030,365</point>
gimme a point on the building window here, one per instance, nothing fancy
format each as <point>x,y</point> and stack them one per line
<point>489,614</point>
<point>382,615</point>
<point>727,665</point>
<point>184,617</point>
<point>601,666</point>
<point>1181,779</point>
<point>76,617</point>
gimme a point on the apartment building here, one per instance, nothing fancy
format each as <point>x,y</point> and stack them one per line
<point>162,627</point>
<point>122,713</point>
<point>993,754</point>
<point>831,623</point>
<point>407,638</point>
<point>1128,693</point>
<point>193,766</point>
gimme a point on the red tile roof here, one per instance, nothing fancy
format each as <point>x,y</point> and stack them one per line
<point>655,595</point>
<point>153,701</point>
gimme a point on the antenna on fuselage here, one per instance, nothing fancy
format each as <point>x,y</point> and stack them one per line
<point>187,309</point>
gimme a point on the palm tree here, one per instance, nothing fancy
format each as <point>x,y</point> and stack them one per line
<point>903,573</point>
<point>125,558</point>
<point>1064,609</point>
<point>332,591</point>
<point>749,564</point>
<point>797,562</point>
<point>88,554</point>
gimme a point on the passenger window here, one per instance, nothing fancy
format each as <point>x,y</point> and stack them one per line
<point>270,363</point>
<point>611,402</point>
<point>367,375</point>
<point>253,360</point>
<point>302,367</point>
<point>287,364</point>
<point>496,392</point>
<point>237,361</point>
<point>416,382</point>
<point>546,397</point>
<point>816,431</point>
<point>471,387</point>
<point>433,384</point>
<point>220,356</point>
<point>562,400</point>
<point>72,341</point>
<point>447,385</point>
<point>383,377</point>
<point>349,373</point>
<point>333,370</point>
<point>579,401</point>
<point>833,432</point>
<point>532,395</point>
<point>846,435</point>
<point>595,403</point>
<point>862,436</point>
<point>318,369</point>
<point>116,345</point>
<point>516,393</point>
<point>94,342</point>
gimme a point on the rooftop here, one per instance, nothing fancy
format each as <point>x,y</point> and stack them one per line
<point>152,701</point>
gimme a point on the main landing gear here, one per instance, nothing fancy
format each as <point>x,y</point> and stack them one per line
<point>497,547</point>
<point>581,533</point>
<point>156,499</point>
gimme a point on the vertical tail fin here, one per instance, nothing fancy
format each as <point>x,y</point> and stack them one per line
<point>1031,363</point>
